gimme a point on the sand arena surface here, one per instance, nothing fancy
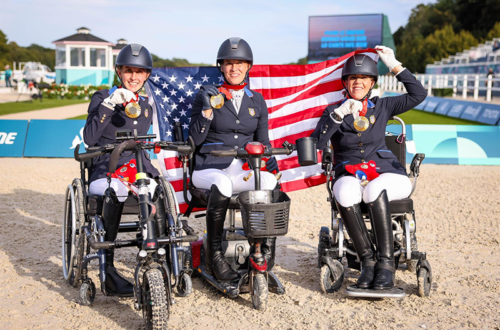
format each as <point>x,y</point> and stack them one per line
<point>458,210</point>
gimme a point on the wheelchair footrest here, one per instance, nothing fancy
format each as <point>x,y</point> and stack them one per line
<point>354,291</point>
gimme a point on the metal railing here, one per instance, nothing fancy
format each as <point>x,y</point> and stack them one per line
<point>462,84</point>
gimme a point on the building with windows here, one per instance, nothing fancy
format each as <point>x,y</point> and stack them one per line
<point>83,58</point>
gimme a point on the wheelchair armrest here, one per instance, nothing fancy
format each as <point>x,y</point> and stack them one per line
<point>415,165</point>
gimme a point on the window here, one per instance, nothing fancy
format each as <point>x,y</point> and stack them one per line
<point>61,56</point>
<point>97,57</point>
<point>77,56</point>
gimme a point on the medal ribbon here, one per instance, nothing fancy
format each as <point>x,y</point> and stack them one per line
<point>235,87</point>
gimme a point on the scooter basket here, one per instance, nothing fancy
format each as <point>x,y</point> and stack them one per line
<point>264,215</point>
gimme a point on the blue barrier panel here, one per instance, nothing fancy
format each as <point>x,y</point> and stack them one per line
<point>53,138</point>
<point>57,138</point>
<point>490,115</point>
<point>456,109</point>
<point>472,111</point>
<point>12,137</point>
<point>444,107</point>
<point>461,144</point>
<point>432,103</point>
<point>421,106</point>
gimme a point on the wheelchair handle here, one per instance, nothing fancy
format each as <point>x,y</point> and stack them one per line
<point>86,156</point>
<point>115,155</point>
<point>240,153</point>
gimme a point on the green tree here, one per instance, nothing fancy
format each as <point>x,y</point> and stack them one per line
<point>494,32</point>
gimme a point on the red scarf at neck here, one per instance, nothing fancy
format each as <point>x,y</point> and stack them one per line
<point>225,86</point>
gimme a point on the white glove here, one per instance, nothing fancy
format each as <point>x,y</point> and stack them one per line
<point>119,96</point>
<point>349,107</point>
<point>387,56</point>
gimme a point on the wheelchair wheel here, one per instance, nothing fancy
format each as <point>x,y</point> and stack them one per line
<point>74,217</point>
<point>156,306</point>
<point>331,282</point>
<point>260,292</point>
<point>81,249</point>
<point>87,293</point>
<point>185,285</point>
<point>424,283</point>
<point>170,198</point>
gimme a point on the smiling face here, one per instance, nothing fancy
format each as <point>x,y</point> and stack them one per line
<point>235,71</point>
<point>132,78</point>
<point>359,85</point>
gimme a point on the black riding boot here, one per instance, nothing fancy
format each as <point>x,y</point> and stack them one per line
<point>215,261</point>
<point>268,249</point>
<point>355,225</point>
<point>112,209</point>
<point>380,216</point>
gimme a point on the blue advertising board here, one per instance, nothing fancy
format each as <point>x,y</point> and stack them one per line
<point>53,138</point>
<point>421,106</point>
<point>432,103</point>
<point>472,111</point>
<point>461,144</point>
<point>444,107</point>
<point>490,114</point>
<point>12,137</point>
<point>456,109</point>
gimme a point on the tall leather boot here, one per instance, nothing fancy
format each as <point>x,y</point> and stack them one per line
<point>215,261</point>
<point>355,225</point>
<point>380,216</point>
<point>268,249</point>
<point>112,209</point>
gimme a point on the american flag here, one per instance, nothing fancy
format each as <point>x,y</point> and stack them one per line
<point>296,96</point>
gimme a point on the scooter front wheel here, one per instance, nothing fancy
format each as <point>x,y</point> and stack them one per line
<point>156,306</point>
<point>260,293</point>
<point>332,281</point>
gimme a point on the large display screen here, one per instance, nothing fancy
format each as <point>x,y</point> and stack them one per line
<point>333,36</point>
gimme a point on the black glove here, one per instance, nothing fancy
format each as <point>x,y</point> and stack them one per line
<point>206,93</point>
<point>272,165</point>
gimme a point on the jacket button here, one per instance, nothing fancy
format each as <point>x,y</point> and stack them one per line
<point>324,132</point>
<point>360,144</point>
<point>363,161</point>
<point>362,151</point>
<point>236,136</point>
<point>359,134</point>
<point>235,147</point>
<point>237,121</point>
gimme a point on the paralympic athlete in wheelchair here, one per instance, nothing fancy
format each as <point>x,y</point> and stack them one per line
<point>369,184</point>
<point>116,133</point>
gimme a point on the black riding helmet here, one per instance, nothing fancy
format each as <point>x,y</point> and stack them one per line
<point>134,55</point>
<point>359,64</point>
<point>234,49</point>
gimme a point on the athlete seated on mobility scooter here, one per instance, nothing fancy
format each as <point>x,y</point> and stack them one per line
<point>356,129</point>
<point>219,125</point>
<point>121,108</point>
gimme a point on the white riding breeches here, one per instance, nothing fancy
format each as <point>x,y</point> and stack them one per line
<point>99,186</point>
<point>230,180</point>
<point>348,190</point>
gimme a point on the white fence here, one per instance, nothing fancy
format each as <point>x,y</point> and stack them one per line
<point>462,84</point>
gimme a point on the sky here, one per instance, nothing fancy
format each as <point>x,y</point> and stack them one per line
<point>277,30</point>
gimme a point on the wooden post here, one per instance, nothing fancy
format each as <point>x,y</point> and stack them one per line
<point>476,87</point>
<point>488,89</point>
<point>464,90</point>
<point>455,82</point>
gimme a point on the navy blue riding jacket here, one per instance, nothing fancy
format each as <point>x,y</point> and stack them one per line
<point>228,129</point>
<point>353,147</point>
<point>101,126</point>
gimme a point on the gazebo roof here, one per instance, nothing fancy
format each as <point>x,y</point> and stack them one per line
<point>83,36</point>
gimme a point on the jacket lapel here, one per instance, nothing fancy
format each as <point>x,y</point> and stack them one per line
<point>229,104</point>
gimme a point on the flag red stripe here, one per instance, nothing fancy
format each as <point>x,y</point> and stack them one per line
<point>303,183</point>
<point>277,143</point>
<point>297,117</point>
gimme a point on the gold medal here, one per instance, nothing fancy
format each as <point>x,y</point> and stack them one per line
<point>361,123</point>
<point>133,110</point>
<point>217,101</point>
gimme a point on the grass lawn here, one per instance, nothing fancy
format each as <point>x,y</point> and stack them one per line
<point>84,117</point>
<point>15,107</point>
<point>421,117</point>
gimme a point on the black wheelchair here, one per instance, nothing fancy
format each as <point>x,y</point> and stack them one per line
<point>241,244</point>
<point>163,262</point>
<point>333,245</point>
